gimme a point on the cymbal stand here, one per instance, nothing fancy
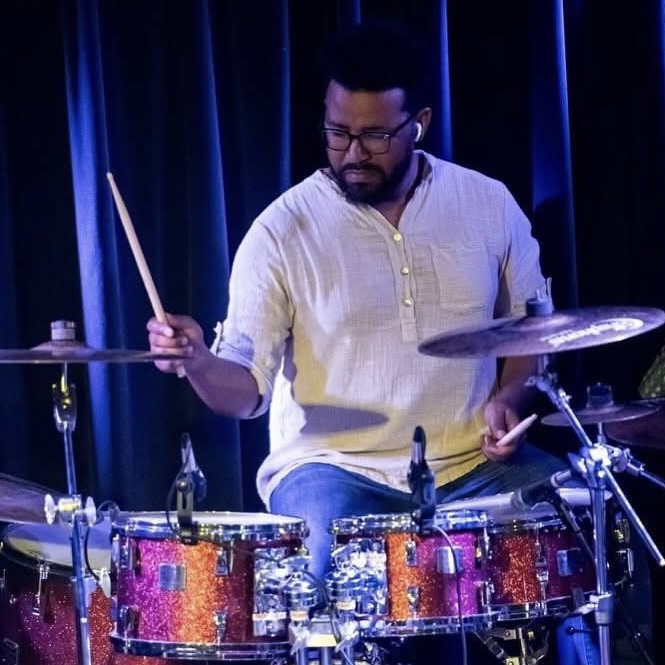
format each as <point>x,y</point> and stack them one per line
<point>595,464</point>
<point>70,509</point>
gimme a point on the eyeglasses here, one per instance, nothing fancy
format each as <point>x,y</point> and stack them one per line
<point>376,143</point>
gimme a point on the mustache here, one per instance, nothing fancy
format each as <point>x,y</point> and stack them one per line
<point>360,167</point>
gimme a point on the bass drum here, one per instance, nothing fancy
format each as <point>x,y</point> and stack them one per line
<point>37,598</point>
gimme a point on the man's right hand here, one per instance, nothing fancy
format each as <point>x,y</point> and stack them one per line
<point>179,335</point>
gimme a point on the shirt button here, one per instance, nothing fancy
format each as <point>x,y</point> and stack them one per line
<point>397,236</point>
<point>405,270</point>
<point>408,302</point>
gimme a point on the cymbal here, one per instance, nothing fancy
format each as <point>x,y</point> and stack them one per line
<point>604,414</point>
<point>564,330</point>
<point>78,352</point>
<point>23,501</point>
<point>647,432</point>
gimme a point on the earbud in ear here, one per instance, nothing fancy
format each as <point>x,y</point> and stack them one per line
<point>419,132</point>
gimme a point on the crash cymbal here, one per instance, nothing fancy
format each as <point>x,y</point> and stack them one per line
<point>647,432</point>
<point>564,330</point>
<point>77,352</point>
<point>23,501</point>
<point>604,414</point>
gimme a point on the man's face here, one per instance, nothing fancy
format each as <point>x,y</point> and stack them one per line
<point>366,177</point>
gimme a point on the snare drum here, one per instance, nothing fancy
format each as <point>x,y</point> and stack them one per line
<point>213,598</point>
<point>37,598</point>
<point>404,581</point>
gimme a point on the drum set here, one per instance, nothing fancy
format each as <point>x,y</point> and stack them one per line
<point>96,587</point>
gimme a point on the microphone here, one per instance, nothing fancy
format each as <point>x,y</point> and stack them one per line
<point>418,444</point>
<point>421,478</point>
<point>192,470</point>
<point>542,490</point>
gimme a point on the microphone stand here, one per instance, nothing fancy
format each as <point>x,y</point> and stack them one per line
<point>596,465</point>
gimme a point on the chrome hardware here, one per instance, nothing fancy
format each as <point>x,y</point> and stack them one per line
<point>449,561</point>
<point>37,600</point>
<point>128,621</point>
<point>172,577</point>
<point>569,562</point>
<point>224,562</point>
<point>413,598</point>
<point>220,621</point>
<point>411,553</point>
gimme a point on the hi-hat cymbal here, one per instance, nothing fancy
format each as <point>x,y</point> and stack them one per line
<point>647,432</point>
<point>564,330</point>
<point>605,414</point>
<point>77,352</point>
<point>23,501</point>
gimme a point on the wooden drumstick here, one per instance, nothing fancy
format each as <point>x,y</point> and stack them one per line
<point>522,426</point>
<point>139,257</point>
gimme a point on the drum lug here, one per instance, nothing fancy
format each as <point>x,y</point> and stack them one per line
<point>38,598</point>
<point>411,551</point>
<point>485,594</point>
<point>128,621</point>
<point>220,622</point>
<point>626,562</point>
<point>483,550</point>
<point>224,564</point>
<point>126,556</point>
<point>413,598</point>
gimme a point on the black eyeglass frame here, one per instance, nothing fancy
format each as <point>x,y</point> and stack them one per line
<point>385,136</point>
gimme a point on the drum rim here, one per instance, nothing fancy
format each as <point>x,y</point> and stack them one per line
<point>521,525</point>
<point>271,647</point>
<point>405,523</point>
<point>156,524</point>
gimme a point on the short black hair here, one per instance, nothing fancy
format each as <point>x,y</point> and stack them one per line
<point>378,55</point>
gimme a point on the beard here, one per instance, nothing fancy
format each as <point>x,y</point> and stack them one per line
<point>372,193</point>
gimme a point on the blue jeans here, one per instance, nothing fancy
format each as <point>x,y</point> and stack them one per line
<point>320,493</point>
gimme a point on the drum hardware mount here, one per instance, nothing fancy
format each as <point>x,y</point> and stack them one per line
<point>70,509</point>
<point>191,487</point>
<point>523,635</point>
<point>595,463</point>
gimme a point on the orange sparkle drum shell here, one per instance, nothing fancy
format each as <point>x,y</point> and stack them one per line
<point>203,599</point>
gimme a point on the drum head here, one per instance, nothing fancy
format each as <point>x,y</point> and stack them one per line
<point>499,507</point>
<point>32,544</point>
<point>216,526</point>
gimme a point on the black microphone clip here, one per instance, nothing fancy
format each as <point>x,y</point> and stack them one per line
<point>421,479</point>
<point>191,487</point>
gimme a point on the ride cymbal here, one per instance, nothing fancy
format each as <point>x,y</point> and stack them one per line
<point>564,330</point>
<point>603,414</point>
